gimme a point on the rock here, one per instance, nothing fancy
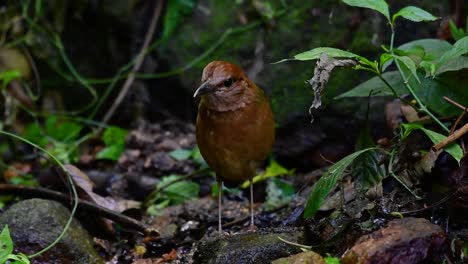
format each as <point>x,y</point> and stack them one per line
<point>247,248</point>
<point>308,257</point>
<point>36,223</point>
<point>407,240</point>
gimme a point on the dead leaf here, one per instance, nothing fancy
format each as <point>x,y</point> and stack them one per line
<point>322,72</point>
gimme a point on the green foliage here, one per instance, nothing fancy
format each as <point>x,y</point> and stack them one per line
<point>366,168</point>
<point>25,180</point>
<point>114,139</point>
<point>328,180</point>
<point>172,191</point>
<point>59,136</point>
<point>7,76</point>
<point>414,14</point>
<point>193,154</point>
<point>274,169</point>
<point>434,57</point>
<point>331,260</point>
<point>175,12</point>
<point>377,5</point>
<point>453,149</point>
<point>6,249</point>
<point>181,154</point>
<point>458,33</point>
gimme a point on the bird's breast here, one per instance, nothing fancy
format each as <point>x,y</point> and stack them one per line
<point>233,142</point>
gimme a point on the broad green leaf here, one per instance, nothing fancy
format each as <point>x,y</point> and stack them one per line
<point>377,86</point>
<point>433,48</point>
<point>181,154</point>
<point>377,5</point>
<point>415,14</point>
<point>327,182</point>
<point>6,244</point>
<point>453,149</point>
<point>431,90</point>
<point>274,169</point>
<point>452,65</point>
<point>409,63</point>
<point>459,48</point>
<point>181,191</point>
<point>314,54</point>
<point>365,168</point>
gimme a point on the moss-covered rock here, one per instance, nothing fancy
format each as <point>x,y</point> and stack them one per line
<point>36,223</point>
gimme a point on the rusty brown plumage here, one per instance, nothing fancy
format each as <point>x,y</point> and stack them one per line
<point>235,124</point>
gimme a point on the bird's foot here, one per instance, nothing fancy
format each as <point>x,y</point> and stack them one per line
<point>221,234</point>
<point>252,228</point>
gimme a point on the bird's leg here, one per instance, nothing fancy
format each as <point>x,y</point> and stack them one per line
<point>252,224</point>
<point>220,202</point>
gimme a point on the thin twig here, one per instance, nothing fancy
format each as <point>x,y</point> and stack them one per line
<point>139,61</point>
<point>38,192</point>
<point>456,135</point>
<point>465,109</point>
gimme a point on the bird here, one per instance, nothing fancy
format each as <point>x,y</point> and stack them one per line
<point>235,127</point>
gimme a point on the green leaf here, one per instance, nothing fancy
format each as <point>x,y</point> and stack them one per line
<point>453,149</point>
<point>327,182</point>
<point>6,244</point>
<point>409,63</point>
<point>377,86</point>
<point>451,65</point>
<point>7,76</point>
<point>457,33</point>
<point>415,14</point>
<point>176,10</point>
<point>377,5</point>
<point>181,154</point>
<point>433,48</point>
<point>181,191</point>
<point>114,139</point>
<point>64,131</point>
<point>111,152</point>
<point>314,54</point>
<point>459,48</point>
<point>331,260</point>
<point>430,91</point>
<point>385,61</point>
<point>274,169</point>
<point>19,258</point>
<point>114,135</point>
<point>366,169</point>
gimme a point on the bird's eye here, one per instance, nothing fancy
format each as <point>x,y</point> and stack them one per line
<point>228,82</point>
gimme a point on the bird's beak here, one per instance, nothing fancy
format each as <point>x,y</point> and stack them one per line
<point>204,89</point>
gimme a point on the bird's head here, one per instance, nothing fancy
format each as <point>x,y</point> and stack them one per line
<point>224,86</point>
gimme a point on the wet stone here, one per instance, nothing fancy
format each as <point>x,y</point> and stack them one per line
<point>36,223</point>
<point>247,248</point>
<point>403,241</point>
